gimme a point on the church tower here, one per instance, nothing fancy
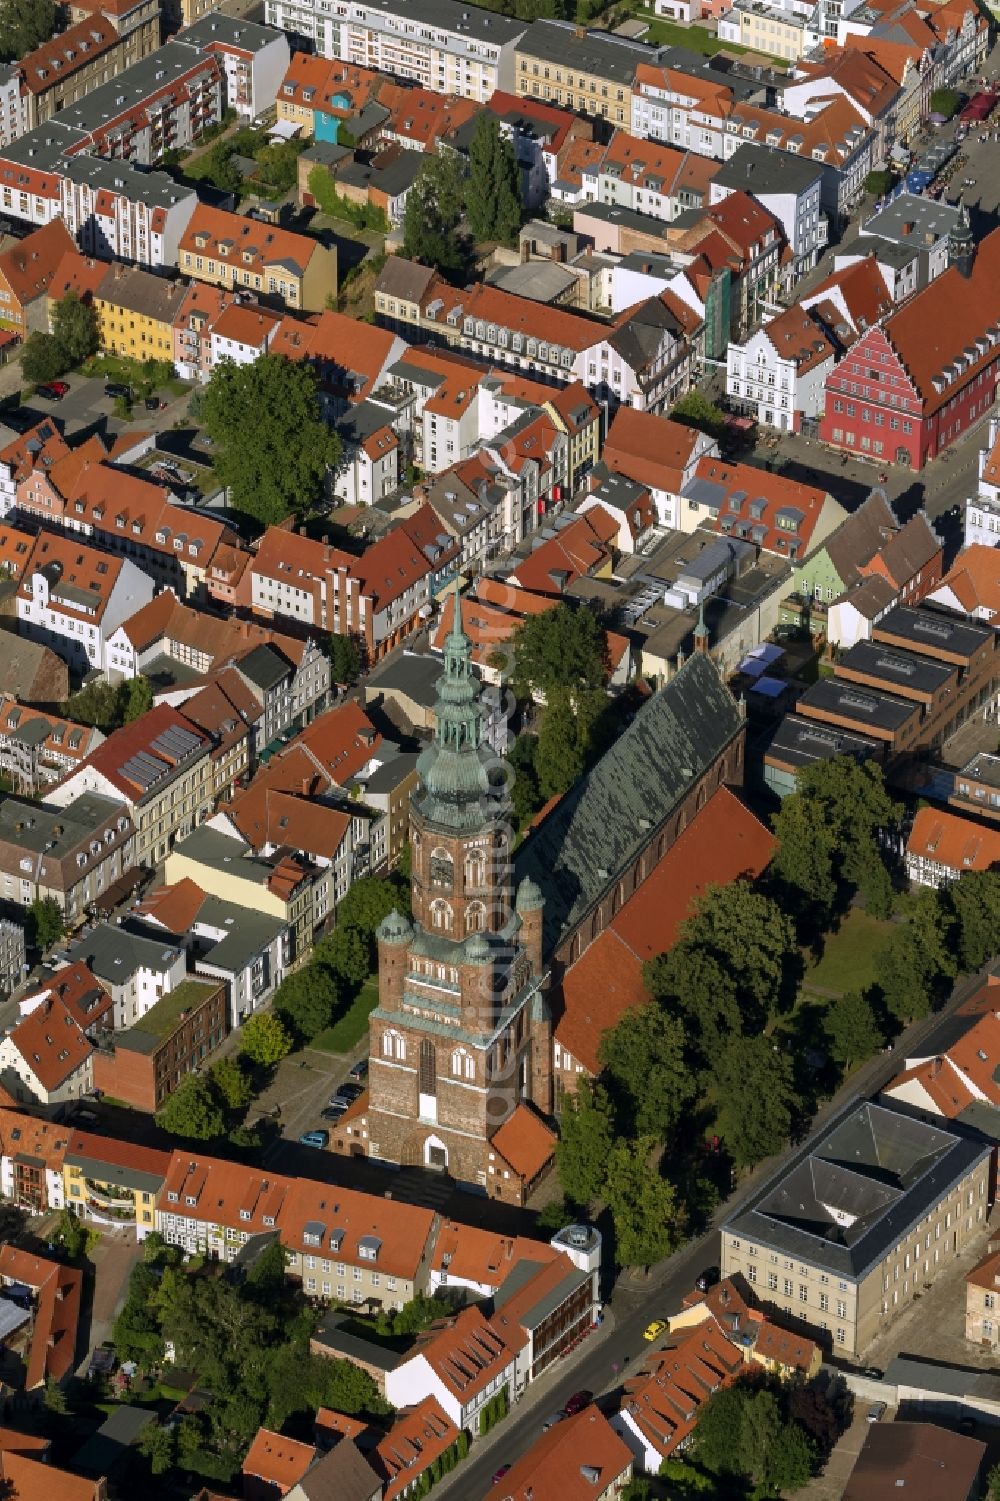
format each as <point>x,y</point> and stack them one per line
<point>461,1034</point>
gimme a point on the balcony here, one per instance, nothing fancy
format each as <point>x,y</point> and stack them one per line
<point>109,1197</point>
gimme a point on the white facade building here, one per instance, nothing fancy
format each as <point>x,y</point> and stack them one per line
<point>440,44</point>
<point>778,375</point>
<point>254,60</point>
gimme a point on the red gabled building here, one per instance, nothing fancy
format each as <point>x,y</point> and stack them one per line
<point>909,388</point>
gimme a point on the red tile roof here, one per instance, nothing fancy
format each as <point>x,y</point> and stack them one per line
<point>111,759</point>
<point>417,1437</point>
<point>665,1399</point>
<point>57,1290</point>
<point>273,1465</point>
<point>467,1253</point>
<point>52,1044</point>
<point>935,328</point>
<point>79,990</point>
<point>577,1459</point>
<point>804,502</point>
<point>723,842</point>
<point>651,450</point>
<point>959,844</point>
<point>525,1142</point>
<point>974,579</point>
<point>29,266</point>
<point>466,1353</point>
<point>576,550</point>
<point>30,1479</point>
<point>266,244</point>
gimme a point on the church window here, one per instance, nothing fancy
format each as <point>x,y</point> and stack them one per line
<point>462,1065</point>
<point>393,1045</point>
<point>475,869</point>
<point>441,915</point>
<point>475,918</point>
<point>442,868</point>
<point>428,1068</point>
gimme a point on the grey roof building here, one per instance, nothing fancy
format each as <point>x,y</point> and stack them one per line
<point>613,57</point>
<point>602,825</point>
<point>869,1211</point>
<point>758,169</point>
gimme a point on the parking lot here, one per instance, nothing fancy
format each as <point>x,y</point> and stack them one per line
<point>85,408</point>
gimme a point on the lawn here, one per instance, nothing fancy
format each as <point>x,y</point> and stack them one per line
<point>346,1033</point>
<point>143,378</point>
<point>664,33</point>
<point>848,961</point>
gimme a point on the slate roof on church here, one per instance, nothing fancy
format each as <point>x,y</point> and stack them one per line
<point>600,826</point>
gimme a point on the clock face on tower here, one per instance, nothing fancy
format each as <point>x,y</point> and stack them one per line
<point>441,870</point>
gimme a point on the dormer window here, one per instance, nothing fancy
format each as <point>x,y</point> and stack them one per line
<point>172,1195</point>
<point>244,1214</point>
<point>190,1199</point>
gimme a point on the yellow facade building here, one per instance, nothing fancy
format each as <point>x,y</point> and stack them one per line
<point>232,251</point>
<point>136,311</point>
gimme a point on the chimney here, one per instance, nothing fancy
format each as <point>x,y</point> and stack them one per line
<point>908,228</point>
<point>306,785</point>
<point>935,1068</point>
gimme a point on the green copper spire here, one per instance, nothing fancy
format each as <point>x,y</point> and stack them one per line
<point>454,768</point>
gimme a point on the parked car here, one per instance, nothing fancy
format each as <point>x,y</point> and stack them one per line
<point>874,1413</point>
<point>579,1401</point>
<point>873,1373</point>
<point>708,1278</point>
<point>655,1329</point>
<point>153,403</point>
<point>554,1418</point>
<point>53,390</point>
<point>115,388</point>
<point>333,1112</point>
<point>348,1091</point>
<point>359,1070</point>
<point>319,1139</point>
<point>499,1474</point>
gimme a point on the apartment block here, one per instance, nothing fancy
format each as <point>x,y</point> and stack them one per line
<point>236,253</point>
<point>842,1249</point>
<point>253,59</point>
<point>443,45</point>
<point>145,1064</point>
<point>72,851</point>
<point>591,72</point>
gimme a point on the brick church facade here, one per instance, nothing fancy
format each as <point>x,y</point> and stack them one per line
<point>461,1051</point>
<point>460,1043</point>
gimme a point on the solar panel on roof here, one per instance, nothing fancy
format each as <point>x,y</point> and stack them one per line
<point>142,770</point>
<point>176,743</point>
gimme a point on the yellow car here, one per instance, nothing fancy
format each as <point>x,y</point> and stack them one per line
<point>655,1329</point>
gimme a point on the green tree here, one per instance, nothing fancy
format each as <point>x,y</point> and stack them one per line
<point>42,358</point>
<point>265,1040</point>
<point>98,704</point>
<point>45,923</point>
<point>493,203</point>
<point>75,329</point>
<point>643,1204</point>
<point>852,1029</point>
<point>689,980</point>
<point>878,182</point>
<point>136,1334</point>
<point>523,789</point>
<point>231,1083</point>
<point>24,25</point>
<point>742,1432</point>
<point>645,1056</point>
<point>637,1490</point>
<point>370,900</point>
<point>918,957</point>
<point>561,649</point>
<point>944,102</point>
<point>54,1399</point>
<point>136,696</point>
<point>193,1110</point>
<point>750,936</point>
<point>266,1277</point>
<point>433,214</point>
<point>305,1001</point>
<point>347,954</point>
<point>345,659</point>
<point>71,1235</point>
<point>559,756</point>
<point>275,449</point>
<point>828,832</point>
<point>686,1478</point>
<point>158,1444</point>
<point>695,410</point>
<point>974,902</point>
<point>586,1133</point>
<point>993,1484</point>
<point>757,1095</point>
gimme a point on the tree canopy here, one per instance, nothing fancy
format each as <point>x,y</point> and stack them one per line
<point>753,940</point>
<point>645,1056</point>
<point>345,659</point>
<point>433,214</point>
<point>559,650</point>
<point>74,337</point>
<point>695,410</point>
<point>46,925</point>
<point>493,203</point>
<point>274,447</point>
<point>305,1001</point>
<point>108,707</point>
<point>585,1139</point>
<point>852,1029</point>
<point>745,1432</point>
<point>757,1096</point>
<point>643,1204</point>
<point>265,1039</point>
<point>192,1110</point>
<point>24,25</point>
